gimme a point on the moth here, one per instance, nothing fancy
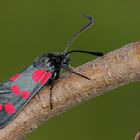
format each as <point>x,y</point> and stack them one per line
<point>18,90</point>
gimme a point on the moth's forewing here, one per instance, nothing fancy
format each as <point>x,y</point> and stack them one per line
<point>17,92</point>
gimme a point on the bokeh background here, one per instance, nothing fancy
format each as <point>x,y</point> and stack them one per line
<point>30,28</point>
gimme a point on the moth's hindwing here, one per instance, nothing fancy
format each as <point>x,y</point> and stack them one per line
<point>17,91</point>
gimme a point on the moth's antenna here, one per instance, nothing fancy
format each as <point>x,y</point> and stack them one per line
<point>91,53</point>
<point>88,25</point>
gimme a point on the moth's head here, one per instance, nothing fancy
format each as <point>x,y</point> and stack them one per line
<point>64,60</point>
<point>59,60</point>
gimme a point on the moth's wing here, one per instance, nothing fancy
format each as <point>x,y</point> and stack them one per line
<point>15,94</point>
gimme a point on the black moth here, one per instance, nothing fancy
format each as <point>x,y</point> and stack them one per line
<point>16,92</point>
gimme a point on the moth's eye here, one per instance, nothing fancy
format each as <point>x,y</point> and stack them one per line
<point>65,61</point>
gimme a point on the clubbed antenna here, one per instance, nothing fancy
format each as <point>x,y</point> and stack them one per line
<point>85,27</point>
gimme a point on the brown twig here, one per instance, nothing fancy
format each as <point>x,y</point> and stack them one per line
<point>137,137</point>
<point>115,69</point>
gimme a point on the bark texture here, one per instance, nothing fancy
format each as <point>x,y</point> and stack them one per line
<point>137,137</point>
<point>115,69</point>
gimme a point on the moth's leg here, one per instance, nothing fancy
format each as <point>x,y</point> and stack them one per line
<point>55,77</point>
<point>51,88</point>
<point>72,71</point>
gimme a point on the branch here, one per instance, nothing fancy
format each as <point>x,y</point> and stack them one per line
<point>137,137</point>
<point>115,69</point>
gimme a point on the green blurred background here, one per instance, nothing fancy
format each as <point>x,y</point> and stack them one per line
<point>31,27</point>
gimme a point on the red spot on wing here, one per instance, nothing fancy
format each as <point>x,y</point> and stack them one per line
<point>1,107</point>
<point>15,89</point>
<point>13,78</point>
<point>25,95</point>
<point>45,78</point>
<point>37,75</point>
<point>9,108</point>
